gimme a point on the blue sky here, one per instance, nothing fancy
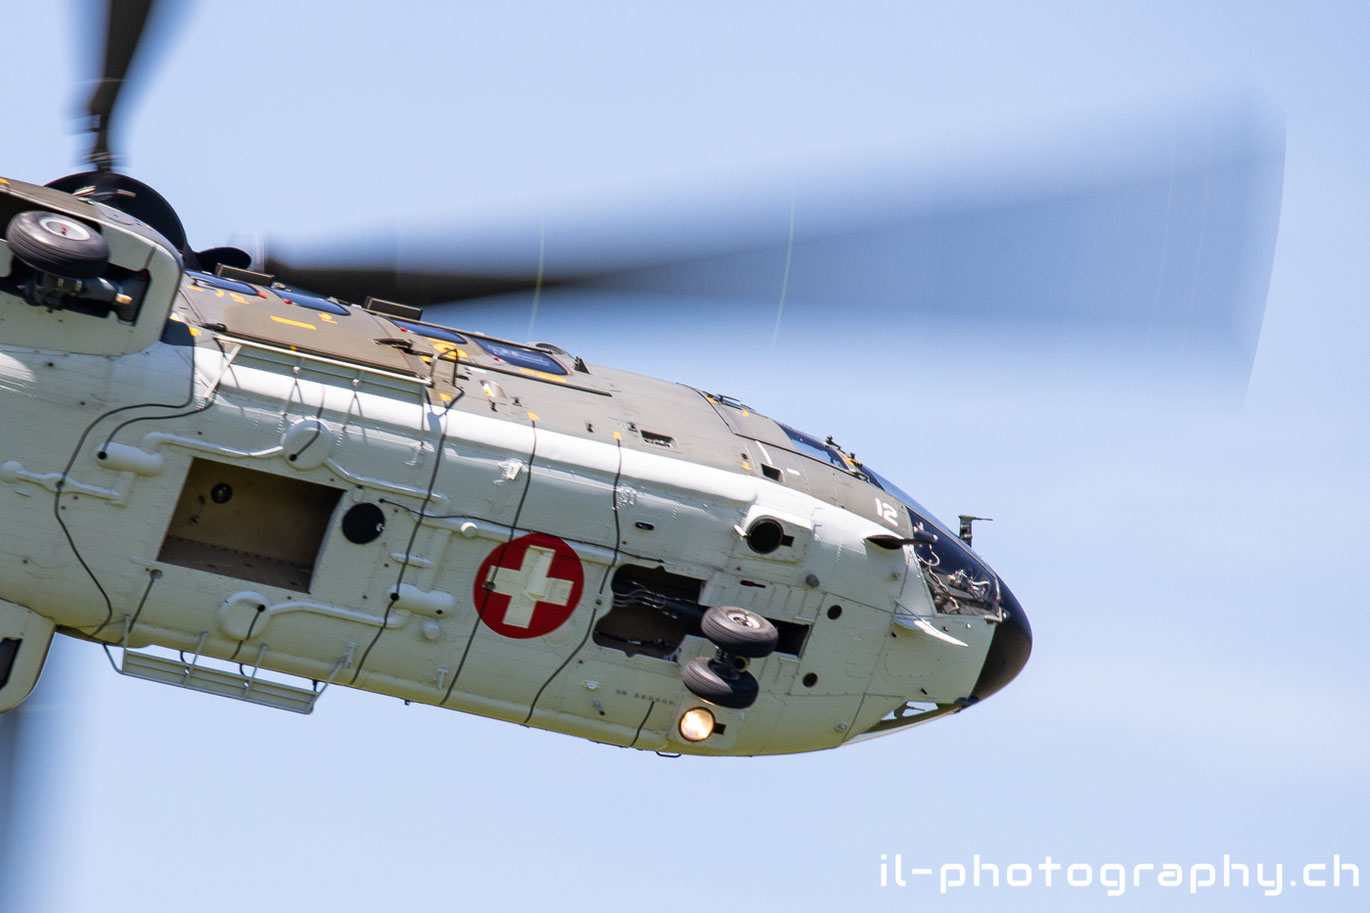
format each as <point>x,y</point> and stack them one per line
<point>1190,559</point>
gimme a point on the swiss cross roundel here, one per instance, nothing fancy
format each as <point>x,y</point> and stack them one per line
<point>528,587</point>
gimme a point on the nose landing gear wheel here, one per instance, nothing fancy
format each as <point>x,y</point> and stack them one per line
<point>740,632</point>
<point>739,635</point>
<point>55,244</point>
<point>720,683</point>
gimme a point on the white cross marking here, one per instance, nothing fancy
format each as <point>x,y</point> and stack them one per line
<point>530,584</point>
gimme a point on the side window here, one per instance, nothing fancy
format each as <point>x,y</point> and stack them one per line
<point>432,332</point>
<point>205,280</point>
<point>314,302</point>
<point>521,356</point>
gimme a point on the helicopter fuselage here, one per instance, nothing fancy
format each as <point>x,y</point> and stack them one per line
<point>233,484</point>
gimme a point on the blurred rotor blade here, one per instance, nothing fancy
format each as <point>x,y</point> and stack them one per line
<point>125,24</point>
<point>34,777</point>
<point>388,281</point>
<point>12,726</point>
<point>1160,235</point>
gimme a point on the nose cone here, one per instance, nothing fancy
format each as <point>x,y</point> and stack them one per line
<point>1008,650</point>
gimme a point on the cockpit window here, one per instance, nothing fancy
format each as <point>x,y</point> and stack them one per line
<point>522,356</point>
<point>731,402</point>
<point>948,555</point>
<point>811,446</point>
<point>918,510</point>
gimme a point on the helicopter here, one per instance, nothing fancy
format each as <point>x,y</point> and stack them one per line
<point>241,482</point>
<point>125,740</point>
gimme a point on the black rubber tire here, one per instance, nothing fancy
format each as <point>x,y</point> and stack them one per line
<point>57,244</point>
<point>720,684</point>
<point>739,631</point>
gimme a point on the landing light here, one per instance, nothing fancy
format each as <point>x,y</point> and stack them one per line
<point>696,725</point>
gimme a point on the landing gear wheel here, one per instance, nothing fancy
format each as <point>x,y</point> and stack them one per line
<point>739,631</point>
<point>719,683</point>
<point>56,244</point>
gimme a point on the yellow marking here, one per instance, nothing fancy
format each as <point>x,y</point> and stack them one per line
<point>747,466</point>
<point>326,318</point>
<point>617,436</point>
<point>745,413</point>
<point>294,323</point>
<point>543,375</point>
<point>444,397</point>
<point>3,181</point>
<point>533,416</point>
<point>194,331</point>
<point>238,298</point>
<point>442,348</point>
<point>218,293</point>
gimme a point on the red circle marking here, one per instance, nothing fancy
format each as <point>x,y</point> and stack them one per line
<point>528,587</point>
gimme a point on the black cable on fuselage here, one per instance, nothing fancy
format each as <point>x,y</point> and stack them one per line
<point>487,587</point>
<point>599,600</point>
<point>76,452</point>
<point>413,536</point>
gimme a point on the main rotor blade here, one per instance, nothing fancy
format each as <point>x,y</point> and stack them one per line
<point>126,22</point>
<point>388,281</point>
<point>33,777</point>
<point>1163,240</point>
<point>11,727</point>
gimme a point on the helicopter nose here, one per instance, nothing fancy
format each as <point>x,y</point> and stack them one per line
<point>1008,650</point>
